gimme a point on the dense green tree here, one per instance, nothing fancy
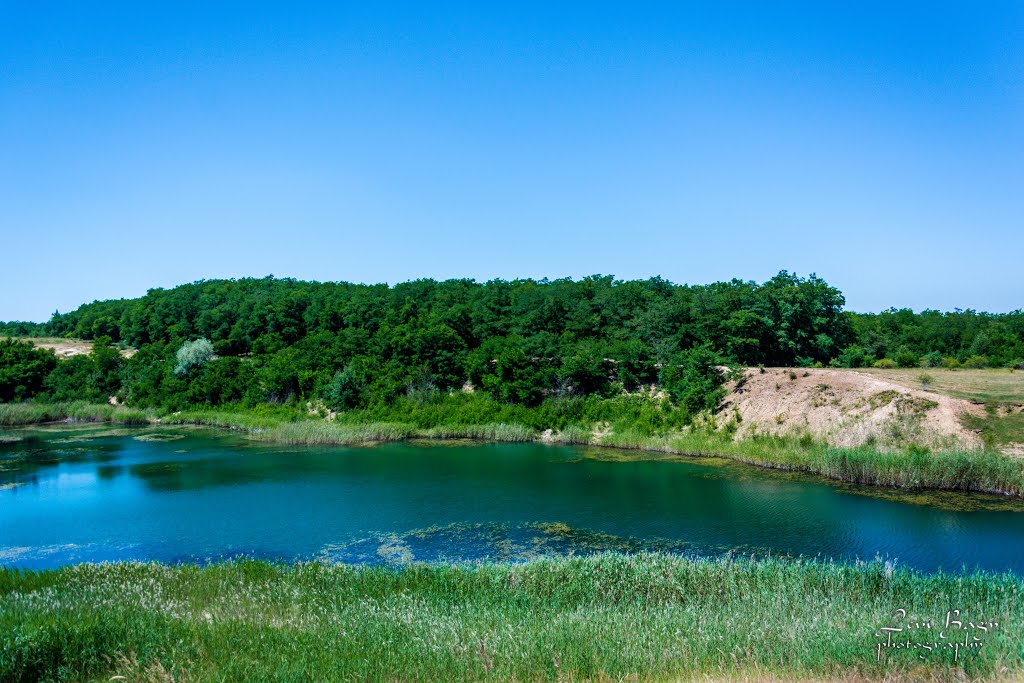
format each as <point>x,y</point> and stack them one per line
<point>23,369</point>
<point>516,377</point>
<point>347,388</point>
<point>72,379</point>
<point>107,366</point>
<point>521,341</point>
<point>695,379</point>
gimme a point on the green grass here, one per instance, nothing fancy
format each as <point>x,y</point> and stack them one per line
<point>998,429</point>
<point>996,386</point>
<point>606,617</point>
<point>16,414</point>
<point>984,471</point>
<point>486,432</point>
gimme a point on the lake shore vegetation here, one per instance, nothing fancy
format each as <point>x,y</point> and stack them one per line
<point>630,364</point>
<point>606,617</point>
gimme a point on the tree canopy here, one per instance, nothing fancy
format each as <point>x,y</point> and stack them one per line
<point>521,341</point>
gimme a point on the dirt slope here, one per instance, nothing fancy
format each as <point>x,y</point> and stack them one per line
<point>847,408</point>
<point>66,348</point>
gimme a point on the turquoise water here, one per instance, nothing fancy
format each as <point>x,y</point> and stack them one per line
<point>95,494</point>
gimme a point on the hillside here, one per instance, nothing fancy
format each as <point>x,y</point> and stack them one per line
<point>886,409</point>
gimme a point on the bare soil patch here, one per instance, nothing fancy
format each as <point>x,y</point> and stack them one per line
<point>66,348</point>
<point>847,408</point>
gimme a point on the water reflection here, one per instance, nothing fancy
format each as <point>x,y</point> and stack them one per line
<point>96,494</point>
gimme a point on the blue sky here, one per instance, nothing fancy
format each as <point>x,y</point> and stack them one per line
<point>151,144</point>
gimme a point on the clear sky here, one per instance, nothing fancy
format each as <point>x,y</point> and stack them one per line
<point>880,145</point>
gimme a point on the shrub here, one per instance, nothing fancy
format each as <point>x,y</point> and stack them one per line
<point>950,363</point>
<point>976,362</point>
<point>192,354</point>
<point>885,363</point>
<point>346,390</point>
<point>693,379</point>
<point>852,356</point>
<point>932,359</point>
<point>905,358</point>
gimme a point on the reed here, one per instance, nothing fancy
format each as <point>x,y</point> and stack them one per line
<point>324,433</point>
<point>608,617</point>
<point>20,414</point>
<point>485,432</point>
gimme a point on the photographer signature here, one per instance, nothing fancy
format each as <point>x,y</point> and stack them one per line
<point>955,633</point>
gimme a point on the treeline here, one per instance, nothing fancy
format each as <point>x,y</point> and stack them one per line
<point>256,341</point>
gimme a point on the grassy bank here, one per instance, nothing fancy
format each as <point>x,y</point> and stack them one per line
<point>17,414</point>
<point>631,424</point>
<point>606,617</point>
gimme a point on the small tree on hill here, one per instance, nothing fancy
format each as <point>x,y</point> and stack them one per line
<point>192,354</point>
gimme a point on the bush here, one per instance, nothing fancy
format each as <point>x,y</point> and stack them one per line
<point>932,359</point>
<point>852,356</point>
<point>192,354</point>
<point>72,380</point>
<point>345,390</point>
<point>905,358</point>
<point>976,362</point>
<point>884,363</point>
<point>693,379</point>
<point>950,363</point>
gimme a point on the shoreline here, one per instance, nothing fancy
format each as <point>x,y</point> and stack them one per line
<point>552,618</point>
<point>984,471</point>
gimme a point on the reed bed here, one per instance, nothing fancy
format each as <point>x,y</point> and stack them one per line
<point>573,435</point>
<point>913,469</point>
<point>324,433</point>
<point>19,414</point>
<point>486,432</point>
<point>235,420</point>
<point>609,617</point>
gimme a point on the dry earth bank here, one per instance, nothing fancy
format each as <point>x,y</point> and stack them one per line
<point>848,408</point>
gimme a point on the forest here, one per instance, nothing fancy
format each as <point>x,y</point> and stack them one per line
<point>346,346</point>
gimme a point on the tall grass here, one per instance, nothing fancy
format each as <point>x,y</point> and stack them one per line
<point>983,471</point>
<point>16,414</point>
<point>484,432</point>
<point>608,617</point>
<point>244,420</point>
<point>326,433</point>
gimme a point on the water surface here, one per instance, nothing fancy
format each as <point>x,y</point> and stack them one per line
<point>95,494</point>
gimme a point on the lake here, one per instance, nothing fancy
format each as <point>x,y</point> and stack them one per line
<point>95,493</point>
